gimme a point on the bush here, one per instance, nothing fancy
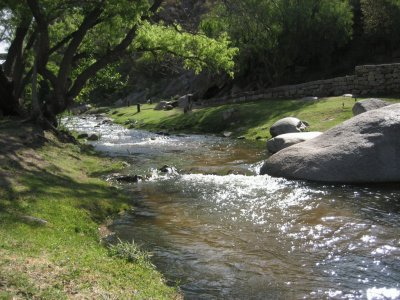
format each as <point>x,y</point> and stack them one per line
<point>131,252</point>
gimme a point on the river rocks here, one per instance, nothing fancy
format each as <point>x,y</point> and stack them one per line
<point>125,178</point>
<point>287,125</point>
<point>363,149</point>
<point>128,178</point>
<point>288,139</point>
<point>167,169</point>
<point>367,105</point>
<point>93,137</point>
<point>163,133</point>
<point>166,105</point>
<point>161,105</point>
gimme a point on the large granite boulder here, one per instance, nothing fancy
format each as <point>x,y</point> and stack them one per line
<point>287,125</point>
<point>364,149</point>
<point>367,105</point>
<point>283,141</point>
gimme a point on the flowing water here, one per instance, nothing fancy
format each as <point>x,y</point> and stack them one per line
<point>238,235</point>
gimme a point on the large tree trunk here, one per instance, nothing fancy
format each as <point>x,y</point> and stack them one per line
<point>8,103</point>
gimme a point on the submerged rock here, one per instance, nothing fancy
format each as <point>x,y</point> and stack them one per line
<point>288,139</point>
<point>167,169</point>
<point>127,178</point>
<point>93,137</point>
<point>364,149</point>
<point>287,125</point>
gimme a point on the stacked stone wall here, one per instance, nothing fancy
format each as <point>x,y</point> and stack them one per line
<point>377,80</point>
<point>374,80</point>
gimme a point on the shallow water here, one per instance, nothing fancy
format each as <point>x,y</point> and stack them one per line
<point>243,236</point>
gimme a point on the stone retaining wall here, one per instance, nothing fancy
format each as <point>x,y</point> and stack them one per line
<point>377,80</point>
<point>367,80</point>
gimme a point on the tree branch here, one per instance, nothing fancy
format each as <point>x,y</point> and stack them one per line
<point>156,5</point>
<point>15,51</point>
<point>43,32</point>
<point>109,57</point>
<point>88,22</point>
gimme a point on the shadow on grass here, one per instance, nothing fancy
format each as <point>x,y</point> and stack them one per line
<point>25,177</point>
<point>16,136</point>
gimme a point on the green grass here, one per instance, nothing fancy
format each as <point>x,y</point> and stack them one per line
<point>65,258</point>
<point>251,120</point>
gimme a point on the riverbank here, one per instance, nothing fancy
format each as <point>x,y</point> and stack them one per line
<point>52,205</point>
<point>250,120</point>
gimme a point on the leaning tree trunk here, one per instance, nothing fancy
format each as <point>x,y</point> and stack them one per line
<point>9,105</point>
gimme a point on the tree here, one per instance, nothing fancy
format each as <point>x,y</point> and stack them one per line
<point>13,78</point>
<point>276,36</point>
<point>382,22</point>
<point>76,39</point>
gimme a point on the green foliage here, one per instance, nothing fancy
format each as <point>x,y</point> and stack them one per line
<point>276,36</point>
<point>382,21</point>
<point>197,50</point>
<point>103,85</point>
<point>81,43</point>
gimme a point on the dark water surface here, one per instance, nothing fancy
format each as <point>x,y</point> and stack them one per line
<point>244,236</point>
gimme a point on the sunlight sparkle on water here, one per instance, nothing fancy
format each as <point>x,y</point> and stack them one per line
<point>383,293</point>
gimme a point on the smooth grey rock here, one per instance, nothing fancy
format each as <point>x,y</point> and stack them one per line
<point>186,102</point>
<point>161,105</point>
<point>287,125</point>
<point>283,141</point>
<point>364,149</point>
<point>34,221</point>
<point>367,105</point>
<point>183,101</point>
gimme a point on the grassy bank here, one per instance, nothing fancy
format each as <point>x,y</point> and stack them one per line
<point>52,203</point>
<point>251,120</point>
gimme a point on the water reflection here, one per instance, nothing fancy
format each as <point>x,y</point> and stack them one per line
<point>253,237</point>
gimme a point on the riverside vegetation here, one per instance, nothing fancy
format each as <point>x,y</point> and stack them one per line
<point>250,120</point>
<point>52,201</point>
<point>52,205</point>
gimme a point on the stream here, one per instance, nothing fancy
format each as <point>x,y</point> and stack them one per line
<point>220,231</point>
